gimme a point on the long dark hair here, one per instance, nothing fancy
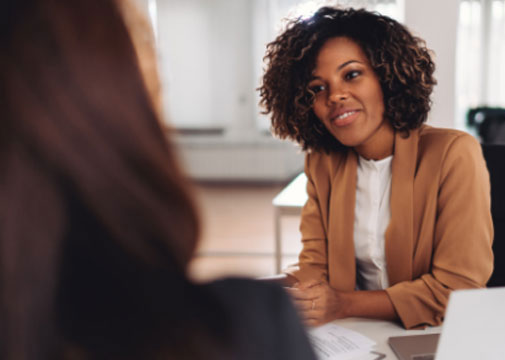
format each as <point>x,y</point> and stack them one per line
<point>96,222</point>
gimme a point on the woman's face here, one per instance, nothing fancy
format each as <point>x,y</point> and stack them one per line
<point>348,96</point>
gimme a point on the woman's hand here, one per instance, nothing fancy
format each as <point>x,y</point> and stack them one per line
<point>317,302</point>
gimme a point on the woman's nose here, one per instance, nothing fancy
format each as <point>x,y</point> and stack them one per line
<point>337,95</point>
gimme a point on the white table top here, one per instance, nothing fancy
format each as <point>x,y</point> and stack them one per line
<point>294,194</point>
<point>380,331</point>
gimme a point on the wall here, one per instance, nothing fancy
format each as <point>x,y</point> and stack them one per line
<point>436,22</point>
<point>212,42</point>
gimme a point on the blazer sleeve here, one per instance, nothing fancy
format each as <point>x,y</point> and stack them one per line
<point>313,259</point>
<point>462,255</point>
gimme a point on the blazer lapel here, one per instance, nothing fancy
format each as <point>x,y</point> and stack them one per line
<point>399,234</point>
<point>341,258</point>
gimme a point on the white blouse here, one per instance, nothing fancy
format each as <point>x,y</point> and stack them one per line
<point>371,218</point>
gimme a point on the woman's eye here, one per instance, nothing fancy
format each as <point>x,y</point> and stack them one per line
<point>352,74</point>
<point>316,88</point>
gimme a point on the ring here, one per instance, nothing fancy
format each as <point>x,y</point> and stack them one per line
<point>313,304</point>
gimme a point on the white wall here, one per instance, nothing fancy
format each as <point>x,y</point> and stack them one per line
<point>209,80</point>
<point>185,43</point>
<point>206,59</point>
<point>436,21</point>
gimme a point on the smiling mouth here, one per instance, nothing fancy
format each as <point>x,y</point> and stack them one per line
<point>346,114</point>
<point>345,118</point>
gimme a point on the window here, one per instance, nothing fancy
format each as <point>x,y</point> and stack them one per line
<point>480,74</point>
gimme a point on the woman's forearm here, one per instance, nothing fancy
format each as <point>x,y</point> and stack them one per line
<point>319,303</point>
<point>374,304</point>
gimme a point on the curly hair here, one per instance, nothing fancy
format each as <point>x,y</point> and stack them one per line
<point>400,60</point>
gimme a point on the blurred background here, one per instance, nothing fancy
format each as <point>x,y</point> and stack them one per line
<point>210,56</point>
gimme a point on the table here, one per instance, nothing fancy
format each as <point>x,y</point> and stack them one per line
<point>380,331</point>
<point>288,202</point>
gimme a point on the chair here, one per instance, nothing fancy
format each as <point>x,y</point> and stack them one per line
<point>495,159</point>
<point>489,123</point>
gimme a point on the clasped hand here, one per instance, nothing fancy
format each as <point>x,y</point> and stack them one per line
<point>317,302</point>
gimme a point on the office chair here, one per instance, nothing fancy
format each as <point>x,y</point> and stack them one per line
<point>495,159</point>
<point>489,123</point>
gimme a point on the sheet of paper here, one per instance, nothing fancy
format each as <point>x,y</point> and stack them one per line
<point>333,342</point>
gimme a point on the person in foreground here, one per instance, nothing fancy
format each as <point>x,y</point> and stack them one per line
<point>96,223</point>
<point>398,212</point>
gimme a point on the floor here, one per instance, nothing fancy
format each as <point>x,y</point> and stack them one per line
<point>238,232</point>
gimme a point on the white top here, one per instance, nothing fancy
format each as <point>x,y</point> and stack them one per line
<point>371,219</point>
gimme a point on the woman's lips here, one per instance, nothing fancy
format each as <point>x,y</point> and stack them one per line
<point>345,118</point>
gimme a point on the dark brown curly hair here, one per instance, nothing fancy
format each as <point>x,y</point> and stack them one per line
<point>401,61</point>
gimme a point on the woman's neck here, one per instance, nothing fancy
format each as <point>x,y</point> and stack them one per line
<point>380,145</point>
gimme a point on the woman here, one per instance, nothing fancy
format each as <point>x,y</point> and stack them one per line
<point>396,209</point>
<point>96,223</point>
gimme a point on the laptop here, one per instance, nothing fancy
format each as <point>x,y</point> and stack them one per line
<point>414,347</point>
<point>474,328</point>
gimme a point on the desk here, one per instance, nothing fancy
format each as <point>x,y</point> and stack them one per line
<point>380,331</point>
<point>288,202</point>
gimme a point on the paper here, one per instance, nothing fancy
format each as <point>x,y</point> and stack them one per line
<point>333,342</point>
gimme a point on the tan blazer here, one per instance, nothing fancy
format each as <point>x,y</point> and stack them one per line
<point>440,234</point>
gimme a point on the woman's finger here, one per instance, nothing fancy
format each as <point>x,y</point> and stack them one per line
<point>302,294</point>
<point>308,284</point>
<point>305,305</point>
<point>312,322</point>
